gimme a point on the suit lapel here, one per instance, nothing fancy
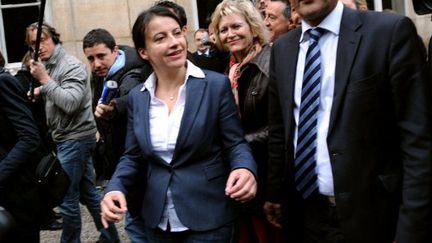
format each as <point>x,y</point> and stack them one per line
<point>349,40</point>
<point>195,88</point>
<point>143,106</point>
<point>288,69</point>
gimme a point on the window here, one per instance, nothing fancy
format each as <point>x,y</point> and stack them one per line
<point>15,16</point>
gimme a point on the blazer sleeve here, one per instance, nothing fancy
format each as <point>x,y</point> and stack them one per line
<point>236,147</point>
<point>130,80</point>
<point>14,106</point>
<point>411,97</point>
<point>131,163</point>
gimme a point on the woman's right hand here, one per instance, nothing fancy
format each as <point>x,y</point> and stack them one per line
<point>113,207</point>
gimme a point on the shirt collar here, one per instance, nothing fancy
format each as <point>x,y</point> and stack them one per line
<point>206,52</point>
<point>54,57</point>
<point>191,70</point>
<point>331,23</point>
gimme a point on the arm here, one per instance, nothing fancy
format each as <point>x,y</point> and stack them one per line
<point>131,163</point>
<point>260,136</point>
<point>241,184</point>
<point>130,80</point>
<point>118,107</point>
<point>14,107</point>
<point>127,174</point>
<point>276,164</point>
<point>67,93</point>
<point>411,97</point>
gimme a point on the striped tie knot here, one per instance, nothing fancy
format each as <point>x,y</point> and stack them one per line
<point>316,33</point>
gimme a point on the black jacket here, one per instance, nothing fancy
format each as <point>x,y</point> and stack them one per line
<point>19,136</point>
<point>19,154</point>
<point>253,103</point>
<point>216,61</point>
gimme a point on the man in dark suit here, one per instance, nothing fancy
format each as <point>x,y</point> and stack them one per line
<point>349,140</point>
<point>207,56</point>
<point>19,154</point>
<point>201,39</point>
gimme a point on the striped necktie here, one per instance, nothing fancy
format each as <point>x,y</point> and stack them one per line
<point>305,154</point>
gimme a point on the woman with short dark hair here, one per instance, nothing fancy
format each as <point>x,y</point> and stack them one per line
<point>185,149</point>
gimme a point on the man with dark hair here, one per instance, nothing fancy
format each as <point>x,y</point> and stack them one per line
<point>66,94</point>
<point>207,56</point>
<point>350,143</point>
<point>123,65</point>
<point>201,39</point>
<point>278,18</point>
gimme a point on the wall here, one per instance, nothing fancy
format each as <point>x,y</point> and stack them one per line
<point>74,18</point>
<point>422,22</point>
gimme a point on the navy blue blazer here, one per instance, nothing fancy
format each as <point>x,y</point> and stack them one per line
<point>209,146</point>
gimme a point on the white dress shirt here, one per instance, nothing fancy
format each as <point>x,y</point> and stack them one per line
<point>206,53</point>
<point>164,129</point>
<point>328,46</point>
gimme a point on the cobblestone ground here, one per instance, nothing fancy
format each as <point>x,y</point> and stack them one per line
<point>89,234</point>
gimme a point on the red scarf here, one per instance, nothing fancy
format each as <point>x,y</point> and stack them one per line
<point>235,68</point>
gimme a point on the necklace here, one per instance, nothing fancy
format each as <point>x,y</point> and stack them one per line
<point>173,96</point>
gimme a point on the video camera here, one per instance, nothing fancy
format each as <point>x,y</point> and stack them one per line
<point>422,7</point>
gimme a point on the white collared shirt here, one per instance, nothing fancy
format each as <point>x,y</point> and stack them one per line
<point>328,46</point>
<point>206,53</point>
<point>164,129</point>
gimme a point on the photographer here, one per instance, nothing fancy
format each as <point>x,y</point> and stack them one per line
<point>207,56</point>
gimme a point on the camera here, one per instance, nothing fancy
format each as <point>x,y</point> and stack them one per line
<point>206,41</point>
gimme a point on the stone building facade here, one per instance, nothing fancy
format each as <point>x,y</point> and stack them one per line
<point>74,18</point>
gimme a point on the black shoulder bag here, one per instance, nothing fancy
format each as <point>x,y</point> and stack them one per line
<point>52,180</point>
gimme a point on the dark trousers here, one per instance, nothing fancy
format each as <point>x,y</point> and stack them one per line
<point>321,224</point>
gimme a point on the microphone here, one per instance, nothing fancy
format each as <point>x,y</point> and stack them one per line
<point>109,91</point>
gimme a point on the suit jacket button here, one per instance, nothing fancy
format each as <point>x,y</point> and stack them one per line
<point>254,92</point>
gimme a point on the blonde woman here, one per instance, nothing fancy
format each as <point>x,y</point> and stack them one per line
<point>240,29</point>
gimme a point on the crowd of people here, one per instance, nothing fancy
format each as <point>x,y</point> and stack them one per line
<point>294,121</point>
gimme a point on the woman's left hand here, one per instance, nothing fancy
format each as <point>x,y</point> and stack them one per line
<point>241,185</point>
